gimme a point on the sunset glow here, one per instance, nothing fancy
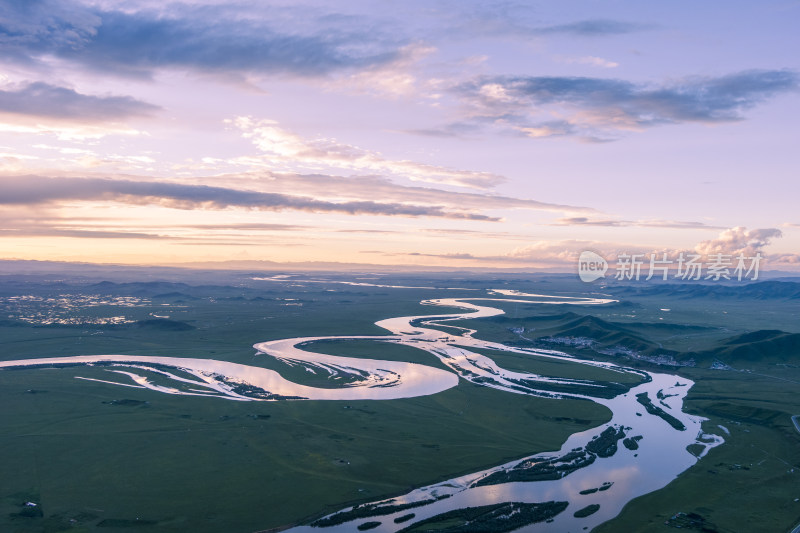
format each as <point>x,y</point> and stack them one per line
<point>456,134</point>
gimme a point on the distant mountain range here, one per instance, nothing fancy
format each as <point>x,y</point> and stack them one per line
<point>760,290</point>
<point>603,332</point>
<point>773,345</point>
<point>590,335</point>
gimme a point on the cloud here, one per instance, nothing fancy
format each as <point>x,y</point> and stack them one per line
<point>739,240</point>
<point>615,223</point>
<point>394,79</point>
<point>592,61</point>
<point>33,190</point>
<point>471,19</point>
<point>280,146</point>
<point>601,108</point>
<point>594,28</point>
<point>784,260</point>
<point>41,221</point>
<point>466,234</point>
<point>242,243</point>
<point>370,231</point>
<point>558,254</point>
<point>370,187</point>
<point>34,221</point>
<point>67,131</point>
<point>43,100</point>
<point>249,226</point>
<point>212,38</point>
<point>551,252</point>
<point>562,255</point>
<point>444,256</point>
<point>46,231</point>
<point>552,128</point>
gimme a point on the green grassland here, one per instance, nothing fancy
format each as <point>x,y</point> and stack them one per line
<point>198,463</point>
<point>751,482</point>
<point>156,462</point>
<point>708,312</point>
<point>176,463</point>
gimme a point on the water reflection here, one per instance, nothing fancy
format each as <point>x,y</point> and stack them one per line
<point>661,454</point>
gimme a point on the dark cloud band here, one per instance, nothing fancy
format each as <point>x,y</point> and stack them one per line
<point>207,39</point>
<point>32,190</point>
<point>44,100</point>
<point>615,104</point>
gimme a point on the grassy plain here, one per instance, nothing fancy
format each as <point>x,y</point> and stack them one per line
<point>748,484</point>
<point>171,463</point>
<point>752,482</point>
<point>177,463</point>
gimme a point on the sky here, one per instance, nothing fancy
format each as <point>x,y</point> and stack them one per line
<point>438,133</point>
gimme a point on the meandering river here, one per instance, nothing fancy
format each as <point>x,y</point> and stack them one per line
<point>655,460</point>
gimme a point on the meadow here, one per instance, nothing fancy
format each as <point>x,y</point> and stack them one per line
<point>100,457</point>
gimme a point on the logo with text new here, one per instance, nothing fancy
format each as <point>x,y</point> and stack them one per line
<point>591,266</point>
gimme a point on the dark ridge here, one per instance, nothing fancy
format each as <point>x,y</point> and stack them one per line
<point>751,415</point>
<point>755,336</point>
<point>569,315</point>
<point>665,326</point>
<point>607,333</point>
<point>595,324</point>
<point>759,290</point>
<point>163,324</point>
<point>757,346</point>
<point>174,294</point>
<point>150,286</point>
